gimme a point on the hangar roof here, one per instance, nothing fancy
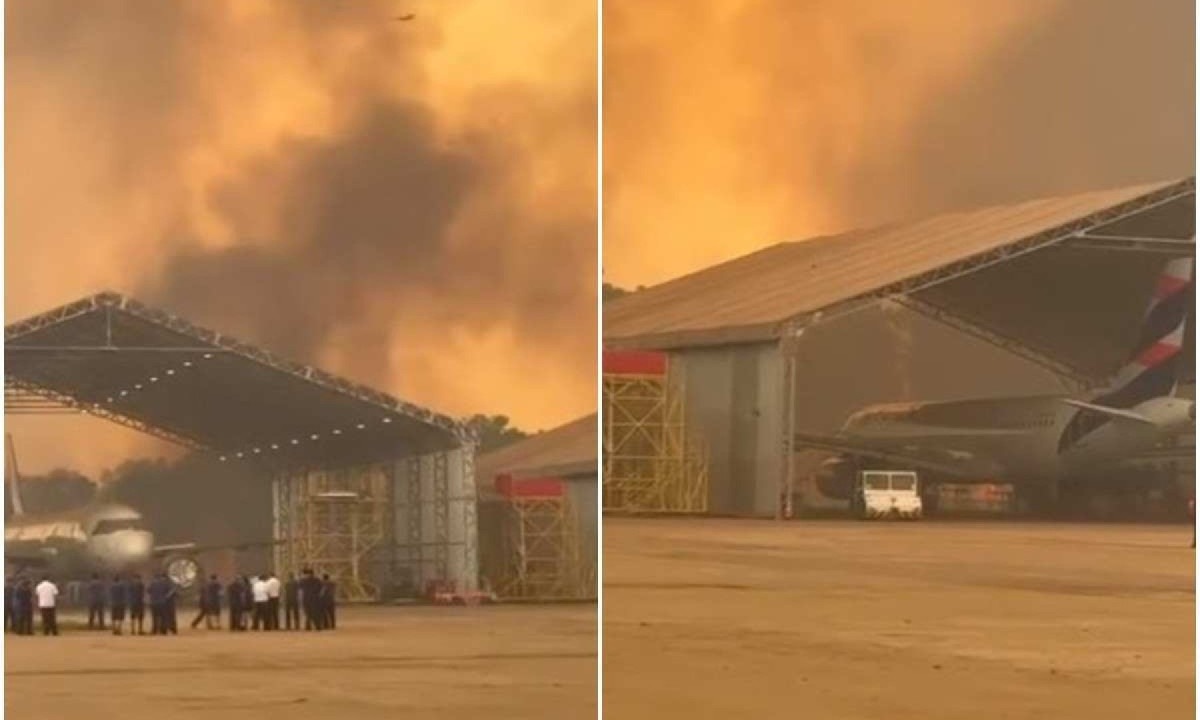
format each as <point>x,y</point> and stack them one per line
<point>111,356</point>
<point>1012,273</point>
<point>567,451</point>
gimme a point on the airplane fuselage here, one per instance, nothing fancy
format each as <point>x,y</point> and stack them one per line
<point>105,538</point>
<point>1020,438</point>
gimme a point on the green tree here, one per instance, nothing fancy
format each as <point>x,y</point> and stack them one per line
<point>494,431</point>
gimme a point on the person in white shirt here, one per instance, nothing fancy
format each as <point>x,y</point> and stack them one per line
<point>47,600</point>
<point>258,590</point>
<point>273,588</point>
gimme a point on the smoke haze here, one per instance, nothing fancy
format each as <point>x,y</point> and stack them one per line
<point>410,204</point>
<point>735,124</point>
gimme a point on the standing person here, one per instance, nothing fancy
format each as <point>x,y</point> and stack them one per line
<point>236,607</point>
<point>273,590</point>
<point>291,602</point>
<point>258,588</point>
<point>156,593</point>
<point>96,592</point>
<point>170,611</point>
<point>23,607</point>
<point>47,600</point>
<point>310,595</point>
<point>1192,512</point>
<point>136,597</point>
<point>9,591</point>
<point>118,599</point>
<point>328,603</point>
<point>214,602</point>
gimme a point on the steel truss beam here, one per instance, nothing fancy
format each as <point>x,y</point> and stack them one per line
<point>66,401</point>
<point>1077,378</point>
<point>966,266</point>
<point>209,341</point>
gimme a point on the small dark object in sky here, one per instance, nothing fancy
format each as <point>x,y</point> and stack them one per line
<point>405,18</point>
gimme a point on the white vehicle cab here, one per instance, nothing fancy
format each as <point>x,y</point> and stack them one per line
<point>886,494</point>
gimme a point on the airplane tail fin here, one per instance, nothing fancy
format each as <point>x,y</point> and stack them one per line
<point>1153,368</point>
<point>12,478</point>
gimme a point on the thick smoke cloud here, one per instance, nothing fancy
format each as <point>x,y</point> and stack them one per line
<point>736,124</point>
<point>409,204</point>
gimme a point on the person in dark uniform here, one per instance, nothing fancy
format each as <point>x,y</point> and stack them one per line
<point>156,593</point>
<point>117,601</point>
<point>170,610</point>
<point>310,595</point>
<point>9,619</point>
<point>291,602</point>
<point>1192,513</point>
<point>233,591</point>
<point>96,593</point>
<point>135,595</point>
<point>328,603</point>
<point>210,604</point>
<point>23,607</point>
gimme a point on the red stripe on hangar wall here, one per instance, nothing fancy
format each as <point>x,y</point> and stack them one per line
<point>634,362</point>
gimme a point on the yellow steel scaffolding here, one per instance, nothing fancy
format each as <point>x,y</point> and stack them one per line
<point>651,465</point>
<point>541,547</point>
<point>333,521</point>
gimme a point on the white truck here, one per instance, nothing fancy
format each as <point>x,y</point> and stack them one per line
<point>886,494</point>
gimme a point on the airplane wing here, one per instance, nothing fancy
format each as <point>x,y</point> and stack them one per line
<point>1114,413</point>
<point>956,463</point>
<point>191,547</point>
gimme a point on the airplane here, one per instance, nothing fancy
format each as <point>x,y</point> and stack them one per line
<point>1034,442</point>
<point>101,537</point>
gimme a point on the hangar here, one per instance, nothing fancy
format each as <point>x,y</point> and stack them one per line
<point>375,491</point>
<point>1038,296</point>
<point>538,514</point>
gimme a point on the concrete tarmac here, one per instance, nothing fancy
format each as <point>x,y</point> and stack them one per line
<point>718,618</point>
<point>381,662</point>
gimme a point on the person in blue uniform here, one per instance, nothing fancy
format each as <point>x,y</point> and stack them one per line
<point>328,603</point>
<point>233,591</point>
<point>170,606</point>
<point>210,604</point>
<point>291,602</point>
<point>310,595</point>
<point>135,595</point>
<point>96,592</point>
<point>117,602</point>
<point>9,590</point>
<point>23,607</point>
<point>156,594</point>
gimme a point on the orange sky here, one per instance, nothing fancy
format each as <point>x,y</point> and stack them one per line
<point>734,124</point>
<point>411,204</point>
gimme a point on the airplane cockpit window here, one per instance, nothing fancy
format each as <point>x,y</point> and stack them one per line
<point>104,527</point>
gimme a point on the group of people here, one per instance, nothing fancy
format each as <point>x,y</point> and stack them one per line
<point>254,603</point>
<point>21,596</point>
